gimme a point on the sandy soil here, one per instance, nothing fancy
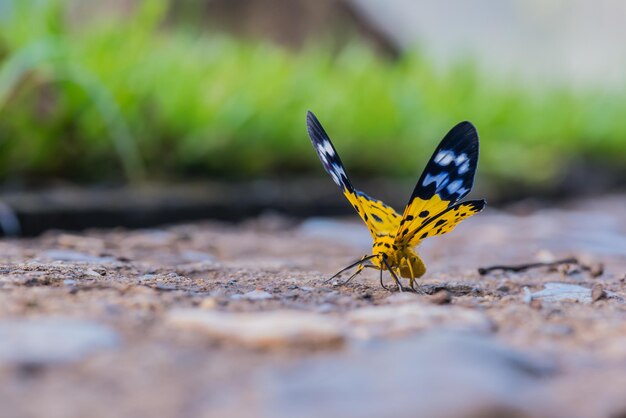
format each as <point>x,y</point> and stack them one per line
<point>211,319</point>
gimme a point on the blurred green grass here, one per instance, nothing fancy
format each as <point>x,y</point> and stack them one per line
<point>132,98</point>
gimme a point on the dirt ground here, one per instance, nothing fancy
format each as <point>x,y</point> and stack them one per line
<point>217,320</point>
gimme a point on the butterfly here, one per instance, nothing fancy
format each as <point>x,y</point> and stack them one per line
<point>433,208</point>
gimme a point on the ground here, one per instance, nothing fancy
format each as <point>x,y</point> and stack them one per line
<point>215,320</point>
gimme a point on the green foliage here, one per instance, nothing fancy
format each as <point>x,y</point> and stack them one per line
<point>130,97</point>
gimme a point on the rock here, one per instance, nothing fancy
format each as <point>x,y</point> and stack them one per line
<point>442,297</point>
<point>264,329</point>
<point>436,375</point>
<point>558,292</point>
<point>409,318</point>
<point>597,292</point>
<point>256,294</point>
<point>596,269</point>
<point>41,341</point>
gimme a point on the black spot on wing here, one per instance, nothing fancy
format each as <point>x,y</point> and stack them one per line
<point>326,152</point>
<point>474,206</point>
<point>450,171</point>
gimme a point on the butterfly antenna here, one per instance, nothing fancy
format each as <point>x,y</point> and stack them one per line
<point>356,273</point>
<point>362,260</point>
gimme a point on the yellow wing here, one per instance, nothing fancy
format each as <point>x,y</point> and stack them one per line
<point>447,178</point>
<point>380,219</point>
<point>444,222</point>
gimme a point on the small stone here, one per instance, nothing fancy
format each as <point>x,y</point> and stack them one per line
<point>147,277</point>
<point>536,304</point>
<point>596,269</point>
<point>597,292</point>
<point>528,296</point>
<point>503,288</point>
<point>92,273</point>
<point>256,294</point>
<point>443,297</point>
<point>557,292</point>
<point>267,330</point>
<point>41,341</point>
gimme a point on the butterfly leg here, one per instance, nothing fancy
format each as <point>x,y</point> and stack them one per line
<point>381,280</point>
<point>393,274</point>
<point>412,279</point>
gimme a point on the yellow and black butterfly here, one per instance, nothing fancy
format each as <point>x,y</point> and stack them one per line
<point>432,209</point>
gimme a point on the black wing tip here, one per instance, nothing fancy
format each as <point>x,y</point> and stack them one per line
<point>311,119</point>
<point>314,127</point>
<point>465,128</point>
<point>479,204</point>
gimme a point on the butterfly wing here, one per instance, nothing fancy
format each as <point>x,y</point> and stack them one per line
<point>447,178</point>
<point>446,221</point>
<point>379,218</point>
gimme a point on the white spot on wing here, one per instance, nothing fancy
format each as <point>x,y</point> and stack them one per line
<point>439,179</point>
<point>337,172</point>
<point>460,159</point>
<point>329,148</point>
<point>462,191</point>
<point>454,186</point>
<point>444,157</point>
<point>464,167</point>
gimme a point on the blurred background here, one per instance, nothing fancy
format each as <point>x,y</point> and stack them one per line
<point>131,112</point>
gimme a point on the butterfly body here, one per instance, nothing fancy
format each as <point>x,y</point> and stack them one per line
<point>433,208</point>
<point>404,260</point>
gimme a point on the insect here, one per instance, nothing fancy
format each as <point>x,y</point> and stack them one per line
<point>433,208</point>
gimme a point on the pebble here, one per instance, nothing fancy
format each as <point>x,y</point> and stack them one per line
<point>442,297</point>
<point>597,292</point>
<point>43,341</point>
<point>256,294</point>
<point>266,330</point>
<point>558,292</point>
